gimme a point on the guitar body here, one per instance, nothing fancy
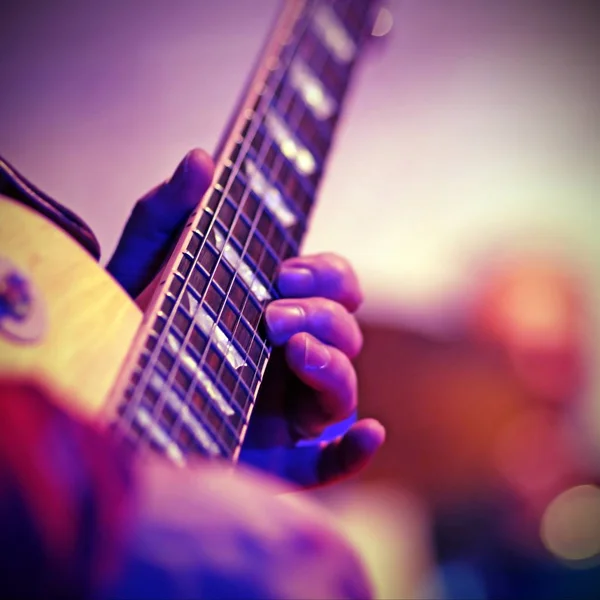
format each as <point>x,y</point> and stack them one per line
<point>79,325</point>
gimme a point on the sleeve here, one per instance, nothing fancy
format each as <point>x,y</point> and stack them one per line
<point>64,493</point>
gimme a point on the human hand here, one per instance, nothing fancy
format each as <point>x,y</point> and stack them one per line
<point>310,381</point>
<point>201,533</point>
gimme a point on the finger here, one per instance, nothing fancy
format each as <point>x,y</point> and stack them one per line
<point>314,464</point>
<point>350,453</point>
<point>327,275</point>
<point>156,220</point>
<point>328,371</point>
<point>325,319</point>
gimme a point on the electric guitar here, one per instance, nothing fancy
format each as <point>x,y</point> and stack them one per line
<point>182,376</point>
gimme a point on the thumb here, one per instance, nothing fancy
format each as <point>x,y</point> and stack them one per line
<point>156,220</point>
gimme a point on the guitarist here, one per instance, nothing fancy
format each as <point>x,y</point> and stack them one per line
<point>81,519</point>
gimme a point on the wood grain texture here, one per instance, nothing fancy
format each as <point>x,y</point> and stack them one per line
<point>90,320</point>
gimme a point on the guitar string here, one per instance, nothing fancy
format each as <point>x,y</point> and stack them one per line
<point>256,372</point>
<point>265,146</point>
<point>278,164</point>
<point>225,422</point>
<point>129,414</point>
<point>319,71</point>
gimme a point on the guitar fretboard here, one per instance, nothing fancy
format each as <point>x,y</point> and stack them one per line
<point>202,351</point>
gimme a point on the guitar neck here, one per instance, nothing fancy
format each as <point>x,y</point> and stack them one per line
<point>195,370</point>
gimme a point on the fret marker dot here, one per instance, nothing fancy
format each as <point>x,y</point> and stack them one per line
<point>305,161</point>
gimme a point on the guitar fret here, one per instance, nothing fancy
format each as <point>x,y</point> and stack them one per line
<point>185,264</point>
<point>272,151</point>
<point>311,90</point>
<point>333,75</point>
<point>226,213</point>
<point>249,317</point>
<point>207,341</point>
<point>182,321</point>
<point>226,428</point>
<point>353,14</point>
<point>296,107</point>
<point>263,255</point>
<point>190,363</point>
<point>209,326</point>
<point>209,257</point>
<point>224,178</point>
<point>334,35</point>
<point>167,305</point>
<point>182,377</point>
<point>223,276</point>
<point>237,262</point>
<point>229,317</point>
<point>288,183</point>
<point>259,273</point>
<point>198,280</point>
<point>241,230</point>
<point>270,195</point>
<point>204,223</point>
<point>175,286</point>
<point>193,246</point>
<point>251,205</point>
<point>309,131</point>
<point>289,146</point>
<point>214,298</point>
<point>236,190</point>
<point>183,413</point>
<point>159,436</point>
<point>233,422</point>
<point>165,358</point>
<point>212,204</point>
<point>241,335</point>
<point>193,413</point>
<point>235,385</point>
<point>252,312</point>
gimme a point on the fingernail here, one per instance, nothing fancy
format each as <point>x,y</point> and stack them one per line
<point>316,355</point>
<point>283,320</point>
<point>295,280</point>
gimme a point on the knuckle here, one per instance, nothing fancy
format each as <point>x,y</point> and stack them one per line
<point>343,280</point>
<point>348,390</point>
<point>340,326</point>
<point>148,212</point>
<point>358,296</point>
<point>326,313</point>
<point>338,265</point>
<point>357,342</point>
<point>141,209</point>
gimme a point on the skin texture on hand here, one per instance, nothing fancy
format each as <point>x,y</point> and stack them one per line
<point>310,382</point>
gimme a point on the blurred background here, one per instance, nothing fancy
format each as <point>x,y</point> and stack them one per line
<point>463,187</point>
